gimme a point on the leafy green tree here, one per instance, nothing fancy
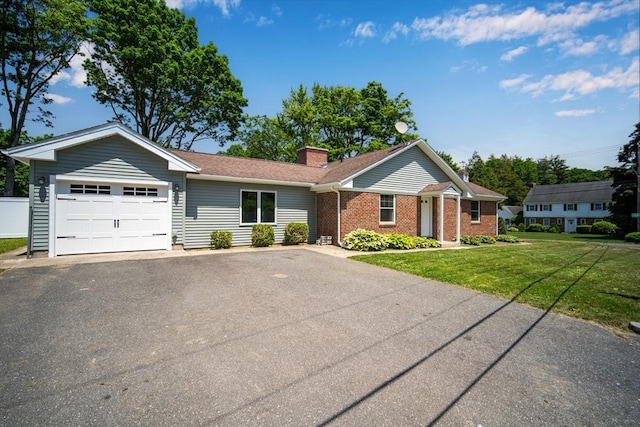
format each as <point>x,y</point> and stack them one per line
<point>150,69</point>
<point>626,182</point>
<point>236,150</point>
<point>552,170</point>
<point>344,120</point>
<point>21,171</point>
<point>449,160</point>
<point>586,175</point>
<point>37,41</point>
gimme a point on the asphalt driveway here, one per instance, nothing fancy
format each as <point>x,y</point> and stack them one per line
<point>294,337</point>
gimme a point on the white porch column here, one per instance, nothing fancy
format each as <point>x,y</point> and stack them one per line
<point>458,214</point>
<point>441,218</point>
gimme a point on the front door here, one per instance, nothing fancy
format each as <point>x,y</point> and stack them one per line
<point>425,217</point>
<point>570,225</point>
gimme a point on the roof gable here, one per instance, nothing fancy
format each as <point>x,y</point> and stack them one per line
<point>47,149</point>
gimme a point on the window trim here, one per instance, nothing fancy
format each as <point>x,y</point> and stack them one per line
<point>546,222</point>
<point>392,209</point>
<point>259,207</point>
<point>471,211</point>
<point>559,221</point>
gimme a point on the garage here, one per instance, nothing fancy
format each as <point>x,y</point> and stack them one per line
<point>110,217</point>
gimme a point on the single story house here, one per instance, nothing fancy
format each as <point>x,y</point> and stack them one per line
<point>568,205</point>
<point>507,212</point>
<point>109,189</point>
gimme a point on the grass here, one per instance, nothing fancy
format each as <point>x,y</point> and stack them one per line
<point>574,237</point>
<point>7,245</point>
<point>593,282</point>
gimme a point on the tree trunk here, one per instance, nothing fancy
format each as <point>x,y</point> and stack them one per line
<point>10,177</point>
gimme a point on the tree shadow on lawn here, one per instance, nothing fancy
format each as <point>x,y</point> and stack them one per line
<point>451,404</point>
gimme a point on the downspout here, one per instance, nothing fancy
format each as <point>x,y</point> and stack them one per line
<point>441,218</point>
<point>338,213</point>
<point>497,219</point>
<point>458,214</point>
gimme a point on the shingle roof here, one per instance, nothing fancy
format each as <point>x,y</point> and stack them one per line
<point>247,168</point>
<point>242,167</point>
<point>513,210</point>
<point>596,191</point>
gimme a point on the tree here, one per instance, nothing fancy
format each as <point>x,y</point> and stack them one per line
<point>150,69</point>
<point>37,41</point>
<point>448,160</point>
<point>626,181</point>
<point>586,175</point>
<point>344,120</point>
<point>552,170</point>
<point>21,171</point>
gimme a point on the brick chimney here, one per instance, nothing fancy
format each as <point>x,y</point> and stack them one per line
<point>313,156</point>
<point>464,175</point>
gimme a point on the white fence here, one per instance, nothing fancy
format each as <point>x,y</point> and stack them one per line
<point>14,217</point>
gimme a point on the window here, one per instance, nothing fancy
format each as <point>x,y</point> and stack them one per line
<point>140,191</point>
<point>387,208</point>
<point>532,221</point>
<point>583,221</point>
<point>532,207</point>
<point>559,221</point>
<point>475,211</point>
<point>258,207</point>
<point>546,221</point>
<point>89,189</point>
<point>571,207</point>
<point>545,207</point>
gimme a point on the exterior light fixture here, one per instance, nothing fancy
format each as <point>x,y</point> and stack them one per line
<point>42,180</point>
<point>176,187</point>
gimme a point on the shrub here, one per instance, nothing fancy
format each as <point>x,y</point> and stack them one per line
<point>490,240</point>
<point>583,229</point>
<point>364,240</point>
<point>399,241</point>
<point>507,238</point>
<point>262,235</point>
<point>633,237</point>
<point>521,227</point>
<point>553,228</point>
<point>221,239</point>
<point>603,227</point>
<point>514,229</point>
<point>536,228</point>
<point>502,226</point>
<point>470,240</point>
<point>296,233</point>
<point>425,242</point>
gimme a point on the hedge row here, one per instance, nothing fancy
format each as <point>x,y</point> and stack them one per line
<point>367,240</point>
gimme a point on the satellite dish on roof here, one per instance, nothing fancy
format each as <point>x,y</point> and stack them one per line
<point>401,127</point>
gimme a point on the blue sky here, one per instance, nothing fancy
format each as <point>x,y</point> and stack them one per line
<point>529,78</point>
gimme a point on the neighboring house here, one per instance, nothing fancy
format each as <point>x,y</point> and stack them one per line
<point>108,189</point>
<point>568,205</point>
<point>508,212</point>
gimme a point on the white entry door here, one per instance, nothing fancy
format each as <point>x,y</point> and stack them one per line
<point>570,225</point>
<point>425,217</point>
<point>93,218</point>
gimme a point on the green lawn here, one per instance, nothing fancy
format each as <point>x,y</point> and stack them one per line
<point>584,280</point>
<point>7,245</point>
<point>575,237</point>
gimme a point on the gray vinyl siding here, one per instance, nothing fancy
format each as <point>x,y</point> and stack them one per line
<point>410,171</point>
<point>105,159</point>
<point>213,205</point>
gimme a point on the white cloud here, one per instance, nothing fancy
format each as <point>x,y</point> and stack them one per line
<point>224,5</point>
<point>574,113</point>
<point>398,28</point>
<point>630,42</point>
<point>57,99</point>
<point>276,10</point>
<point>578,47</point>
<point>509,83</point>
<point>325,22</point>
<point>580,82</point>
<point>365,29</point>
<point>263,20</point>
<point>75,74</point>
<point>513,53</point>
<point>483,23</point>
<point>469,65</point>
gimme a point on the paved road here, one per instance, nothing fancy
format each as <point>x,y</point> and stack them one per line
<point>294,337</point>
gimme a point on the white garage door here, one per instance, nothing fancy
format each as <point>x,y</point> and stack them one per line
<point>92,218</point>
